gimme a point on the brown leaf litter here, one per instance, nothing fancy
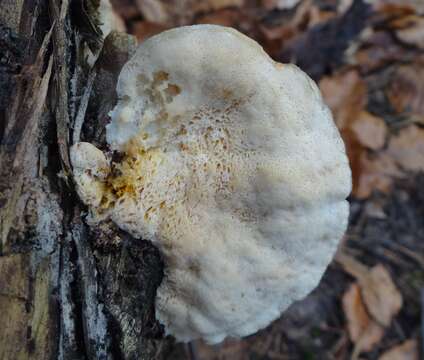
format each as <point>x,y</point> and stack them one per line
<point>369,304</point>
<point>408,350</point>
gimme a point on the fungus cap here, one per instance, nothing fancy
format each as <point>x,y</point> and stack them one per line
<point>234,169</point>
<point>90,168</point>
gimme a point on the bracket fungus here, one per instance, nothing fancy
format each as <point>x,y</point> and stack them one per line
<point>232,166</point>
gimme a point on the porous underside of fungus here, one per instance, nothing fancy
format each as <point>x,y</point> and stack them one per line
<point>232,166</point>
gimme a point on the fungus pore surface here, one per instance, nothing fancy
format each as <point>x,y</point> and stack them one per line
<point>230,163</point>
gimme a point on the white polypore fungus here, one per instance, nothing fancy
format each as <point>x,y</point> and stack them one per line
<point>90,168</point>
<point>234,169</point>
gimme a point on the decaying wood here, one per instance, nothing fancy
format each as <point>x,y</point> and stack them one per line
<point>67,290</point>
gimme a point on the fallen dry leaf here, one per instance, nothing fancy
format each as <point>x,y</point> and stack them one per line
<point>364,332</point>
<point>288,29</point>
<point>224,17</point>
<point>381,297</point>
<point>125,8</point>
<point>305,16</point>
<point>181,12</point>
<point>279,4</point>
<point>280,33</point>
<point>309,14</point>
<point>411,5</point>
<point>407,148</point>
<point>406,91</point>
<point>145,29</point>
<point>153,11</point>
<point>405,351</point>
<point>355,312</point>
<point>378,49</point>
<point>410,30</point>
<point>371,336</point>
<point>345,94</point>
<point>221,4</point>
<point>370,130</point>
<point>376,172</point>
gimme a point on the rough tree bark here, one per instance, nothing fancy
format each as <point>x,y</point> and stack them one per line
<point>67,291</point>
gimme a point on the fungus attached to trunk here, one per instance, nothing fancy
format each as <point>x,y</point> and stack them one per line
<point>232,166</point>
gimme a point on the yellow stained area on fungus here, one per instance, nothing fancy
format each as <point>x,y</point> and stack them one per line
<point>128,175</point>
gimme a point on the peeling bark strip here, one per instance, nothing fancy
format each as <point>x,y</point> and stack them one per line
<point>94,320</point>
<point>61,46</point>
<point>67,291</point>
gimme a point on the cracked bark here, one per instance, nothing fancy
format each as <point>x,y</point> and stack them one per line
<point>67,291</point>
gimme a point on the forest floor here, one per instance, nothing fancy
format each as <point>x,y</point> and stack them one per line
<point>367,57</point>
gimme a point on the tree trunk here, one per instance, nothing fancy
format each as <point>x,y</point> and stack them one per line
<point>67,291</point>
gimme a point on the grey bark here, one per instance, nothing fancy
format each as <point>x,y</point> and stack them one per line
<point>67,290</point>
